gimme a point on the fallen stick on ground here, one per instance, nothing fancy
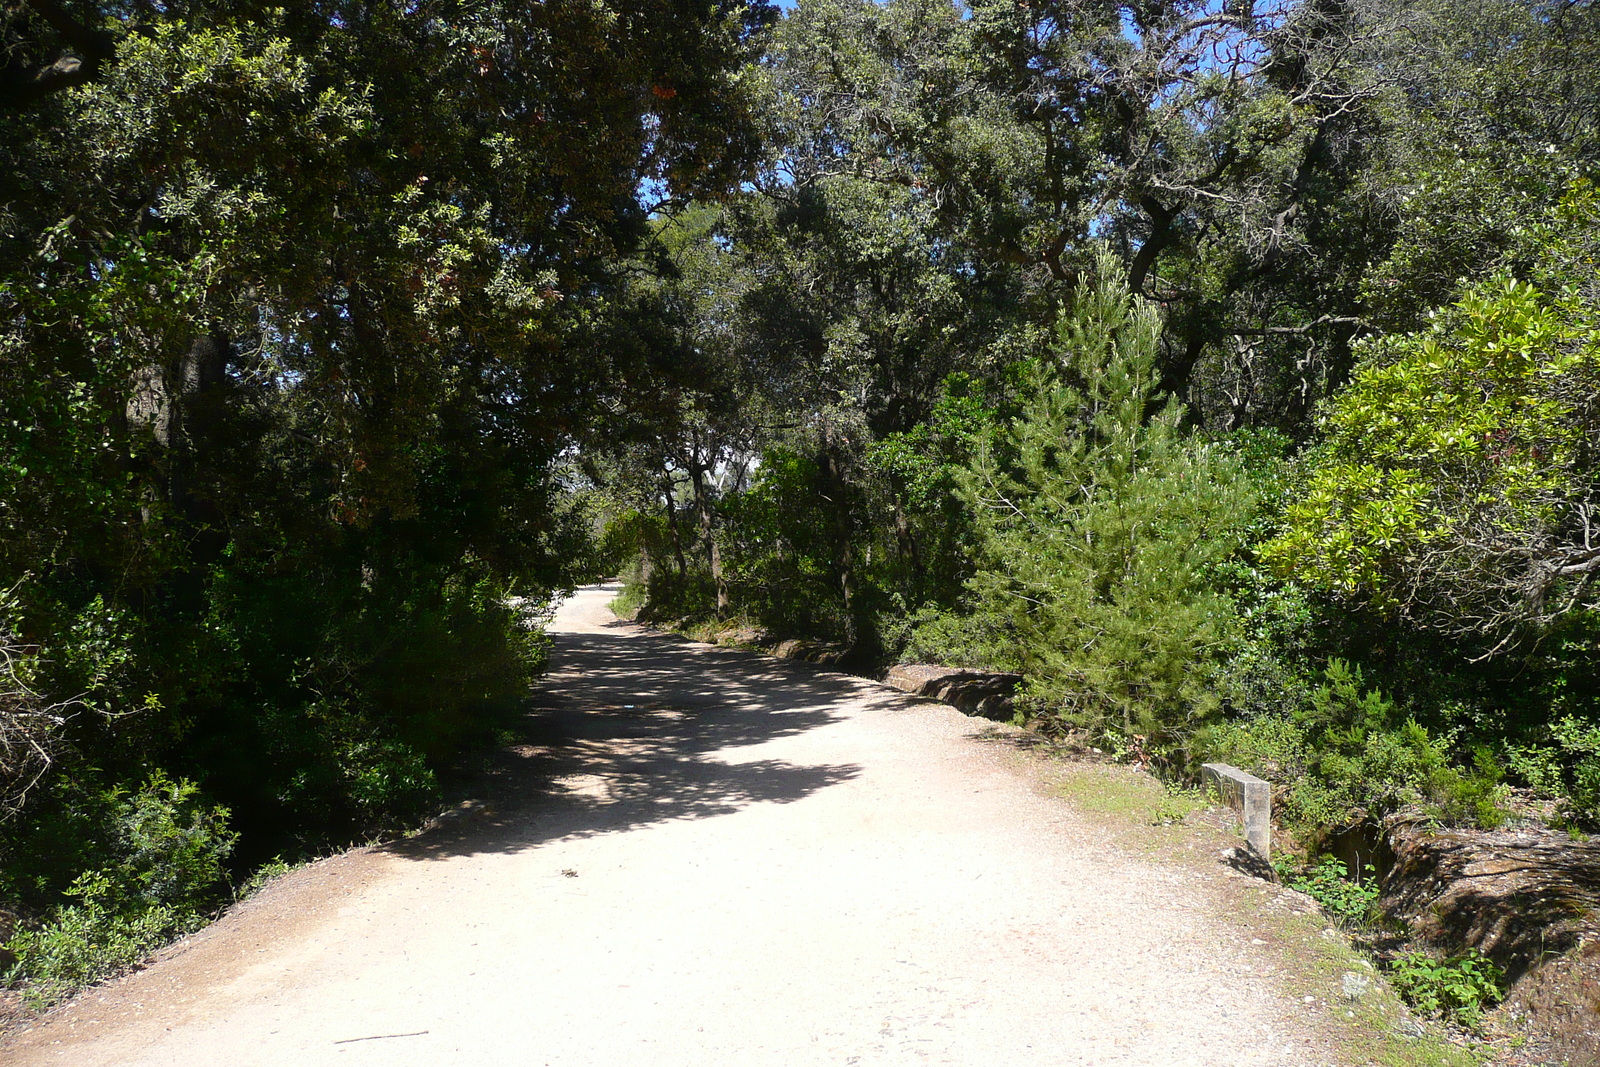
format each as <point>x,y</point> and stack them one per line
<point>377,1037</point>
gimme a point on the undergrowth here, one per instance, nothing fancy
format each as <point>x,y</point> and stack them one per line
<point>162,875</point>
<point>1456,989</point>
<point>1352,901</point>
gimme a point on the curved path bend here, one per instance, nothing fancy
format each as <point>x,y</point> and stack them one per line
<point>712,858</point>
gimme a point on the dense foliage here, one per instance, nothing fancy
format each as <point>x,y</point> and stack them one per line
<point>302,310</point>
<point>1456,481</point>
<point>1230,371</point>
<point>1101,525</point>
<point>1303,477</point>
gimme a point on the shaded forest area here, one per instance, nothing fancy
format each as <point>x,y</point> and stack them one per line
<point>1229,370</point>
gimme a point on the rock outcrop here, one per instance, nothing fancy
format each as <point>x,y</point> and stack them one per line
<point>1528,899</point>
<point>982,693</point>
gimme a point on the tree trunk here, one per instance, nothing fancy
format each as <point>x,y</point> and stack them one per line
<point>184,412</point>
<point>835,493</point>
<point>907,543</point>
<point>677,538</point>
<point>708,533</point>
<point>1160,235</point>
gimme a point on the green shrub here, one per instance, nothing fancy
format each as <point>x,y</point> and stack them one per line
<point>963,638</point>
<point>172,845</point>
<point>337,693</point>
<point>1346,755</point>
<point>1566,767</point>
<point>783,547</point>
<point>1578,744</point>
<point>87,943</point>
<point>164,871</point>
<point>1457,988</point>
<point>1177,803</point>
<point>1448,447</point>
<point>386,776</point>
<point>1265,674</point>
<point>628,603</point>
<point>274,868</point>
<point>1328,882</point>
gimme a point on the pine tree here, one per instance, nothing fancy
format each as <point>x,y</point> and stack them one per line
<point>1104,523</point>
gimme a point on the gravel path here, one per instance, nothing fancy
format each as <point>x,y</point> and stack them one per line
<point>718,859</point>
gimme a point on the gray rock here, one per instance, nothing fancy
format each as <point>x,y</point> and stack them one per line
<point>982,693</point>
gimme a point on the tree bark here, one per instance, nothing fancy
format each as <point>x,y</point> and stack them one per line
<point>181,406</point>
<point>672,527</point>
<point>24,82</point>
<point>706,514</point>
<point>907,543</point>
<point>1154,243</point>
<point>835,492</point>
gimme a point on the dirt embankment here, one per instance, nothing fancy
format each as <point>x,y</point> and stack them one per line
<point>1530,900</point>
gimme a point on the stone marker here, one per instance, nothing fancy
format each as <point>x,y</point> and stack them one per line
<point>1251,795</point>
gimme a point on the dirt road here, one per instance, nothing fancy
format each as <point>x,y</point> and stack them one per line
<point>717,859</point>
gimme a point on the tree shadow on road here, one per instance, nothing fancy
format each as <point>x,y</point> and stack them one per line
<point>633,730</point>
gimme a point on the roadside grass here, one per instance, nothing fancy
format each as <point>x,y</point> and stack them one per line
<point>738,631</point>
<point>627,604</point>
<point>729,633</point>
<point>265,875</point>
<point>1313,961</point>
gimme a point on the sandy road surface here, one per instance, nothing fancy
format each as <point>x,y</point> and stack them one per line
<point>718,859</point>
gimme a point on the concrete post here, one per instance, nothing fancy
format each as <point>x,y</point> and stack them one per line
<point>1251,796</point>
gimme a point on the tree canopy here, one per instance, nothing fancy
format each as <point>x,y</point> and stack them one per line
<point>1224,368</point>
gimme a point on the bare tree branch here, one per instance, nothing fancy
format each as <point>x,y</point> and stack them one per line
<point>88,52</point>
